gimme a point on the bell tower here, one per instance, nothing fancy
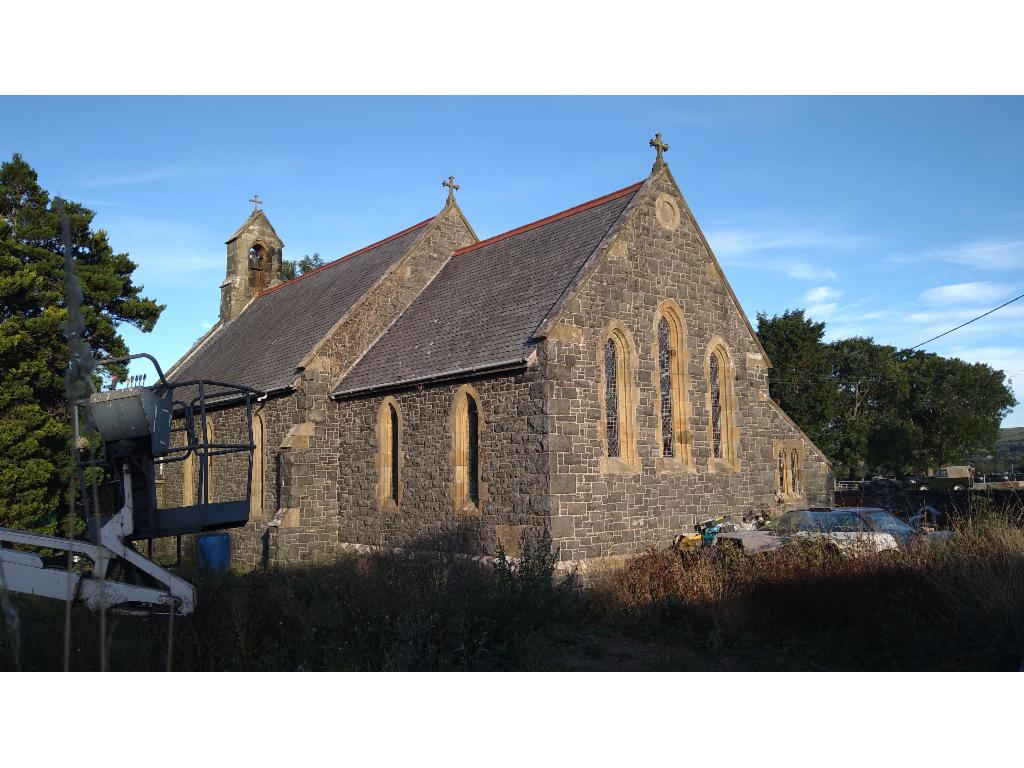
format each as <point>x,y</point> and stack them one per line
<point>254,262</point>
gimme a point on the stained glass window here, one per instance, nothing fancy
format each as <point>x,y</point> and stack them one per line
<point>611,396</point>
<point>668,442</point>
<point>716,408</point>
<point>473,454</point>
<point>795,471</point>
<point>394,452</point>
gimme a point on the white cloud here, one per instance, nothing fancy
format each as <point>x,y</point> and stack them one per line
<point>960,293</point>
<point>139,177</point>
<point>802,270</point>
<point>743,242</point>
<point>991,255</point>
<point>822,311</point>
<point>822,294</point>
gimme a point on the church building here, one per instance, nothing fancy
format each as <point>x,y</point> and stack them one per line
<point>591,373</point>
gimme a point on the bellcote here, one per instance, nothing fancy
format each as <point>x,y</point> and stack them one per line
<point>254,254</point>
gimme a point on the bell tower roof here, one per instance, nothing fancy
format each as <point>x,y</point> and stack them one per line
<point>256,223</point>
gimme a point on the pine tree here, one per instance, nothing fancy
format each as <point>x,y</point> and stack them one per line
<point>34,416</point>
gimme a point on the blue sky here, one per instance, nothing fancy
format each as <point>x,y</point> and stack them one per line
<point>892,217</point>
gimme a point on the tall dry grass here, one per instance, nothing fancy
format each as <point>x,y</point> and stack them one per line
<point>948,605</point>
<point>953,604</point>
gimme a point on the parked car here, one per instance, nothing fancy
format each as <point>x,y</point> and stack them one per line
<point>852,530</point>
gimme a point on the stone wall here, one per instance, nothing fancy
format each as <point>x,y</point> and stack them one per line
<point>513,472</point>
<point>309,468</point>
<point>600,508</point>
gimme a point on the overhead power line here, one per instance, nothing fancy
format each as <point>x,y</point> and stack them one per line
<point>972,320</point>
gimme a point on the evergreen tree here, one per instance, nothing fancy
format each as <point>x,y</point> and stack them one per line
<point>799,379</point>
<point>34,417</point>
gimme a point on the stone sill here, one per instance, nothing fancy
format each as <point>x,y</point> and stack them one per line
<point>613,465</point>
<point>469,509</point>
<point>721,465</point>
<point>670,466</point>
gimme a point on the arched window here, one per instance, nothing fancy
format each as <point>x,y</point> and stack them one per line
<point>467,423</point>
<point>618,398</point>
<point>211,438</point>
<point>782,472</point>
<point>259,266</point>
<point>721,406</point>
<point>389,453</point>
<point>256,490</point>
<point>611,396</point>
<point>672,384</point>
<point>716,405</point>
<point>188,481</point>
<point>794,474</point>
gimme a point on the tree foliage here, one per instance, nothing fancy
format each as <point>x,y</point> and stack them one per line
<point>291,269</point>
<point>872,407</point>
<point>799,378</point>
<point>34,423</point>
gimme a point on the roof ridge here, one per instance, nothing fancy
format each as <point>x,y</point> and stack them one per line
<point>552,218</point>
<point>346,257</point>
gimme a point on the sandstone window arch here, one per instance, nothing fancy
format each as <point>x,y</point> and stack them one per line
<point>188,481</point>
<point>618,396</point>
<point>723,434</point>
<point>672,385</point>
<point>467,424</point>
<point>192,491</point>
<point>211,438</point>
<point>389,454</point>
<point>256,490</point>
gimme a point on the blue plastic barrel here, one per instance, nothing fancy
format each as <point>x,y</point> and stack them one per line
<point>213,552</point>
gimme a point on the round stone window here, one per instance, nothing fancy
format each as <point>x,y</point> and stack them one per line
<point>667,212</point>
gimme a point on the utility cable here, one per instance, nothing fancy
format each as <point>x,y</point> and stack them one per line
<point>972,320</point>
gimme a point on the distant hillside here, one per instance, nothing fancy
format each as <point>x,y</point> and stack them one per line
<point>1009,452</point>
<point>1010,436</point>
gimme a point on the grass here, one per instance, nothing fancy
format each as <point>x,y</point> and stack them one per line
<point>952,605</point>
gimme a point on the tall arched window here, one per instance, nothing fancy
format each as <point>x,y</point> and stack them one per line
<point>188,481</point>
<point>715,367</point>
<point>206,482</point>
<point>389,453</point>
<point>611,396</point>
<point>794,474</point>
<point>473,437</point>
<point>618,399</point>
<point>467,425</point>
<point>672,384</point>
<point>721,406</point>
<point>256,491</point>
<point>782,472</point>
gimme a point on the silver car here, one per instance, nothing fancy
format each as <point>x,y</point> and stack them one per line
<point>853,530</point>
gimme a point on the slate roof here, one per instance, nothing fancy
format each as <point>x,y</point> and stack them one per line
<point>264,344</point>
<point>483,307</point>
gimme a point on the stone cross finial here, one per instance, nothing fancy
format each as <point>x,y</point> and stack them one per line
<point>452,186</point>
<point>257,204</point>
<point>661,147</point>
